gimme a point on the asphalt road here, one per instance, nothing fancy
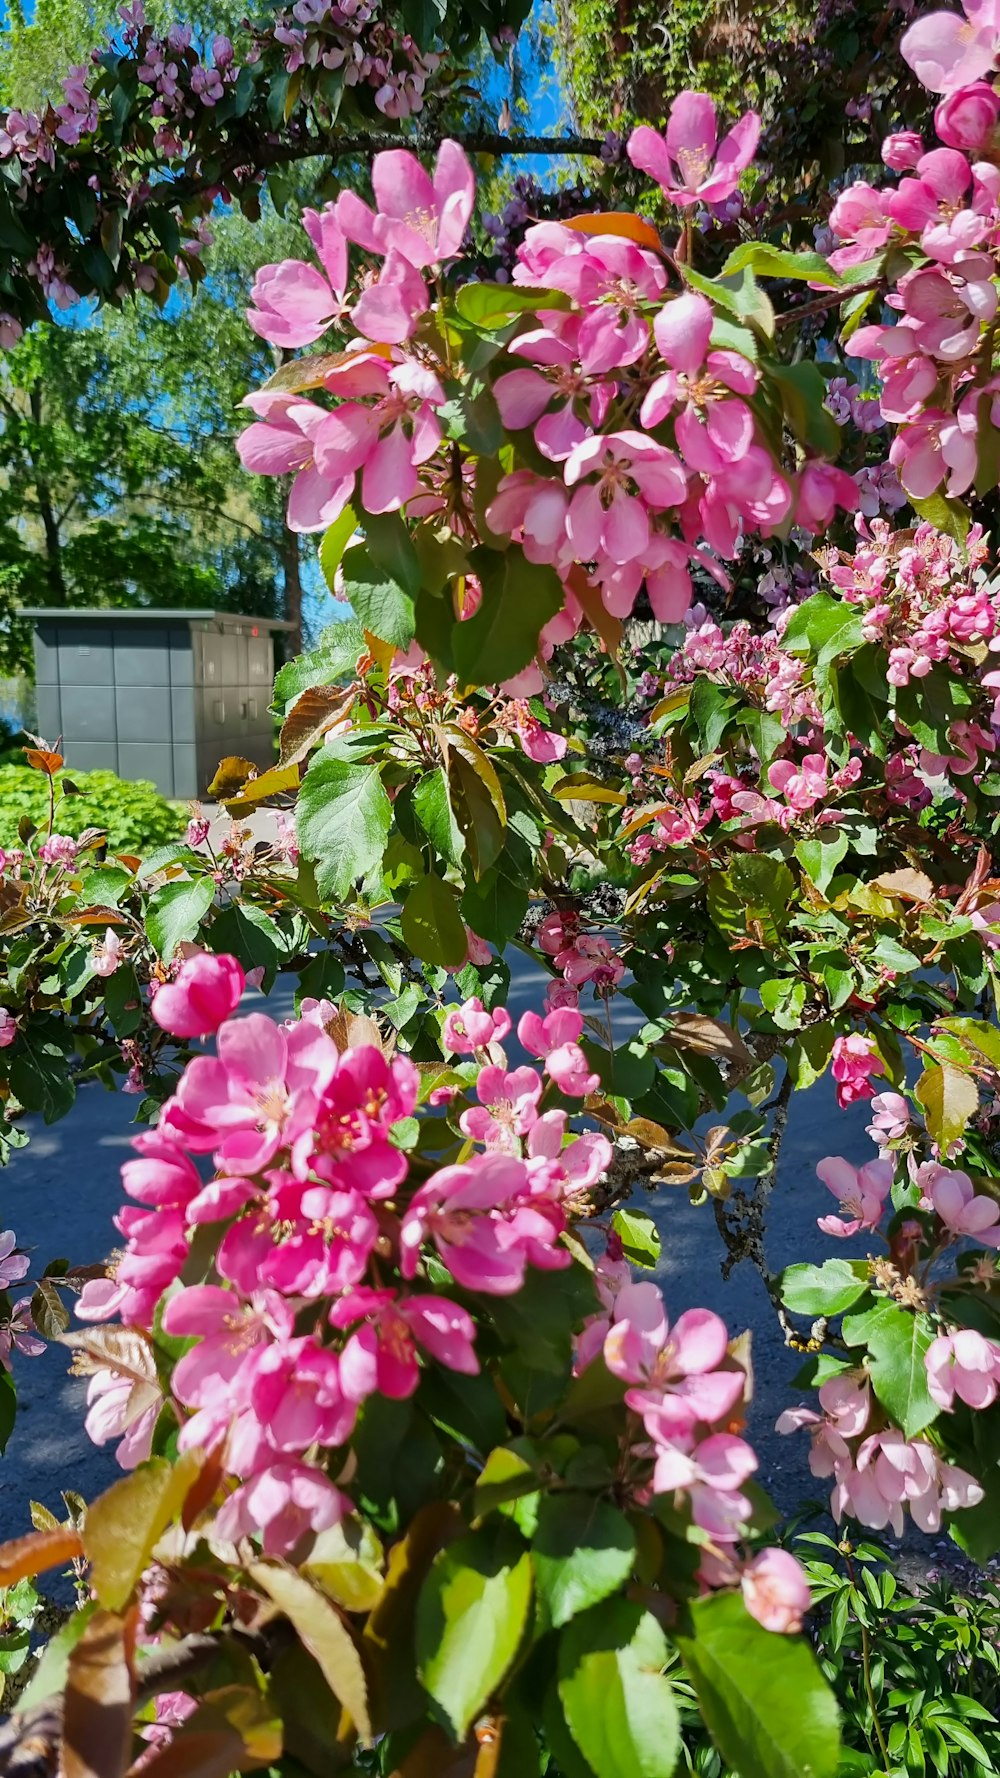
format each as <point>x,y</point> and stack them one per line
<point>60,1193</point>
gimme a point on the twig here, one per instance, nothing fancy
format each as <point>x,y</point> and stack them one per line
<point>830,301</point>
<point>741,1220</point>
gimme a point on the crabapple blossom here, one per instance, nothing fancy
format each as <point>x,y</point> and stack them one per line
<point>205,990</point>
<point>966,1364</point>
<point>953,1197</point>
<point>890,1119</point>
<point>775,1591</point>
<point>689,161</point>
<point>860,1191</point>
<point>556,1039</point>
<point>855,1060</point>
<point>469,1027</point>
<point>8,1028</point>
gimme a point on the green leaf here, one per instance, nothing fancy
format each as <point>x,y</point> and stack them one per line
<point>391,548</point>
<point>125,1522</point>
<point>802,388</point>
<point>618,1704</point>
<point>176,911</point>
<point>950,516</point>
<point>519,597</point>
<point>434,812</point>
<point>39,1071</point>
<point>823,627</point>
<point>49,1677</point>
<point>828,1289</point>
<point>249,934</point>
<point>897,1346</point>
<point>639,1236</point>
<point>378,600</point>
<point>820,856</point>
<point>471,1615</point>
<point>764,1700</point>
<point>766,261</point>
<point>335,541</point>
<point>583,1550</point>
<point>949,1098</point>
<point>432,926</point>
<point>343,818</point>
<point>491,306</point>
<point>495,906</point>
<point>336,657</point>
<point>755,888</point>
<point>105,886</point>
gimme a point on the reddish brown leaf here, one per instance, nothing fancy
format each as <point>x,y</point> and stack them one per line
<point>97,1710</point>
<point>232,774</point>
<point>311,372</point>
<point>310,717</point>
<point>43,761</point>
<point>25,1556</point>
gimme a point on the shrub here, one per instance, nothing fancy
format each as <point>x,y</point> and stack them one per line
<point>135,816</point>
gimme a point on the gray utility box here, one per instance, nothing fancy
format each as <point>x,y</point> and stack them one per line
<point>163,695</point>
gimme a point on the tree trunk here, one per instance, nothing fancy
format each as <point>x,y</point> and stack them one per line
<point>293,591</point>
<point>50,527</point>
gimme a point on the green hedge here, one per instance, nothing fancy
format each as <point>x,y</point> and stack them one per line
<point>135,816</point>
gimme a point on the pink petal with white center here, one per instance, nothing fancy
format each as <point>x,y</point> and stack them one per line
<point>692,129</point>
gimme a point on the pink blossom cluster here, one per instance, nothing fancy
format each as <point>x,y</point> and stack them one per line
<point>685,1391</point>
<point>310,1195</point>
<point>581,957</point>
<point>17,1328</point>
<point>652,455</point>
<point>878,1475</point>
<point>944,212</point>
<point>177,84</point>
<point>755,663</point>
<point>922,598</point>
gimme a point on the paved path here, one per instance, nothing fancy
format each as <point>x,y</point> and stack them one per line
<point>60,1193</point>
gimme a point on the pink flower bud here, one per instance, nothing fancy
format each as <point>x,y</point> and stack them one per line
<point>967,118</point>
<point>205,991</point>
<point>776,1592</point>
<point>902,150</point>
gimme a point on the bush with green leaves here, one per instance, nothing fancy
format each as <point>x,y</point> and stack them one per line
<point>133,815</point>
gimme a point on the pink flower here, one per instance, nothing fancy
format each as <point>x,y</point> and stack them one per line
<point>861,1192</point>
<point>420,217</point>
<point>295,303</point>
<point>59,849</point>
<point>622,476</point>
<point>283,442</point>
<point>822,489</point>
<point>486,1229</point>
<point>854,1061</point>
<point>591,959</point>
<point>13,1266</point>
<point>556,1040</point>
<point>18,1334</point>
<point>891,1118</point>
<point>711,1476</point>
<point>205,990</point>
<point>986,921</point>
<point>676,1383</point>
<point>965,1364</point>
<point>381,1356</point>
<point>8,1028</point>
<point>284,1502</point>
<point>470,1027</point>
<point>776,1592</point>
<point>125,1407</point>
<point>802,788</point>
<point>891,1472</point>
<point>387,441</point>
<point>108,954</point>
<point>946,52</point>
<point>689,161</point>
<point>952,1196</point>
<point>298,1396</point>
<point>508,1106</point>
